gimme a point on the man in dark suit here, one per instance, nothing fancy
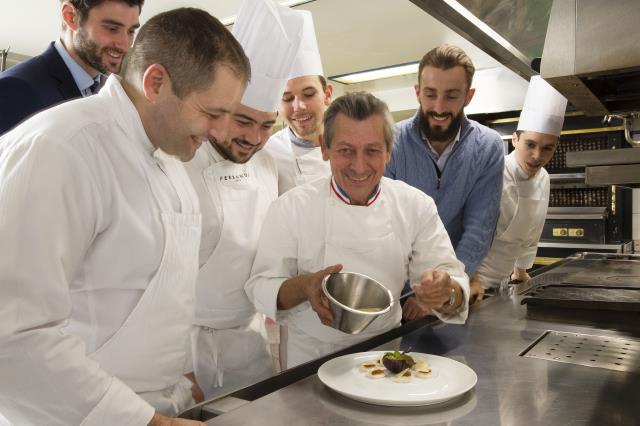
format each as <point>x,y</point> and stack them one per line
<point>96,34</point>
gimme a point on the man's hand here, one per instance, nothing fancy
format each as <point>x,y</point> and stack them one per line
<point>312,287</point>
<point>308,287</point>
<point>412,309</point>
<point>434,291</point>
<point>159,420</point>
<point>196,391</point>
<point>477,291</point>
<point>520,275</point>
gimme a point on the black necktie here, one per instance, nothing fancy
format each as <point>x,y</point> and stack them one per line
<point>95,87</point>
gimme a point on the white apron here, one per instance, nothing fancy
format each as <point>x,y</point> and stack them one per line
<point>525,212</point>
<point>230,359</point>
<point>308,165</point>
<point>296,164</point>
<point>528,211</point>
<point>363,240</point>
<point>232,338</point>
<point>149,351</point>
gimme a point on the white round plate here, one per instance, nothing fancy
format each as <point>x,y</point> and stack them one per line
<point>448,380</point>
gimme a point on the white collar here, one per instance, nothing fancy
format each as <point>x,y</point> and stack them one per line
<point>126,113</point>
<point>212,152</point>
<point>511,163</point>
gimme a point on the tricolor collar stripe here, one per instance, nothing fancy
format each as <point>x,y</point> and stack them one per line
<point>374,195</point>
<point>342,195</point>
<point>338,191</point>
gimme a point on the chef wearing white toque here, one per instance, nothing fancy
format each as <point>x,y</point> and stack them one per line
<point>236,183</point>
<point>296,148</point>
<point>525,191</point>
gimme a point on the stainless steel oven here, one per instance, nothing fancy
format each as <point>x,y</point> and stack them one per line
<point>581,217</point>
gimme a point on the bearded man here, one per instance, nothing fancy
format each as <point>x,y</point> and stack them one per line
<point>456,161</point>
<point>96,35</point>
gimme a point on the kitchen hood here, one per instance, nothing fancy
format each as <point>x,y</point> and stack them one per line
<point>592,55</point>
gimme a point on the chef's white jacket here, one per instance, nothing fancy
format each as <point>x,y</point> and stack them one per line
<point>81,239</point>
<point>294,239</point>
<point>523,209</point>
<point>296,164</point>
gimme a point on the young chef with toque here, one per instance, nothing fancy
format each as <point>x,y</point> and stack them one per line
<point>296,148</point>
<point>236,182</point>
<point>525,190</point>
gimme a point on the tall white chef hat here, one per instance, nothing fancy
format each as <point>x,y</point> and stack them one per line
<point>543,109</point>
<point>270,35</point>
<point>307,60</point>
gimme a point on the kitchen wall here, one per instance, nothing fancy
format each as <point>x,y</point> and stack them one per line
<point>498,89</point>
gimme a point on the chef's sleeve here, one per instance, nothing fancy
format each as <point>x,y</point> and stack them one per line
<point>275,262</point>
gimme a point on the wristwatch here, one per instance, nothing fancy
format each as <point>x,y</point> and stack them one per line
<point>452,297</point>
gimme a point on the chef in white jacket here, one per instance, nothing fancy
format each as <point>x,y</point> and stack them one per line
<point>236,182</point>
<point>355,220</point>
<point>296,148</point>
<point>525,190</point>
<point>100,233</point>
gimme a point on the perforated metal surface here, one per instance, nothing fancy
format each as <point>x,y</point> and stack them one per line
<point>586,349</point>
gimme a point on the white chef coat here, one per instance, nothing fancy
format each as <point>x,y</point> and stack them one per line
<point>295,237</point>
<point>82,236</point>
<point>230,344</point>
<point>523,208</point>
<point>296,164</point>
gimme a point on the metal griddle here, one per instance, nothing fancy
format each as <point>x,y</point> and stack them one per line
<point>594,281</point>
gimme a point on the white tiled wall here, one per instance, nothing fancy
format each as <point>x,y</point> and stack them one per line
<point>635,233</point>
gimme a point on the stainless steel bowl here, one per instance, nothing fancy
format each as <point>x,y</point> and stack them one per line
<point>349,293</point>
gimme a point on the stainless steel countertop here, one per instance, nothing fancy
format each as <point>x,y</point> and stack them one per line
<point>511,390</point>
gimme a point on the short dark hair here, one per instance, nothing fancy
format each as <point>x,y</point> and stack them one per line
<point>190,44</point>
<point>84,6</point>
<point>323,82</point>
<point>446,57</point>
<point>358,106</point>
<point>520,132</point>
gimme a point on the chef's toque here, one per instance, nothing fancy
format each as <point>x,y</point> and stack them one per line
<point>307,61</point>
<point>543,109</point>
<point>270,35</point>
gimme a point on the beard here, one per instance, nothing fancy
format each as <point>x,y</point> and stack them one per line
<point>89,51</point>
<point>439,133</point>
<point>227,152</point>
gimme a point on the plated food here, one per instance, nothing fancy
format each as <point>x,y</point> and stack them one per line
<point>349,375</point>
<point>399,367</point>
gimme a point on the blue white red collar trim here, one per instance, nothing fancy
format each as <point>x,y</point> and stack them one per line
<point>342,195</point>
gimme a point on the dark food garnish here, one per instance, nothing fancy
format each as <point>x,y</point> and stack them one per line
<point>397,361</point>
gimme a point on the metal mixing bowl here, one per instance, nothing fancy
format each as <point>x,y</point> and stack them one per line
<point>348,294</point>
